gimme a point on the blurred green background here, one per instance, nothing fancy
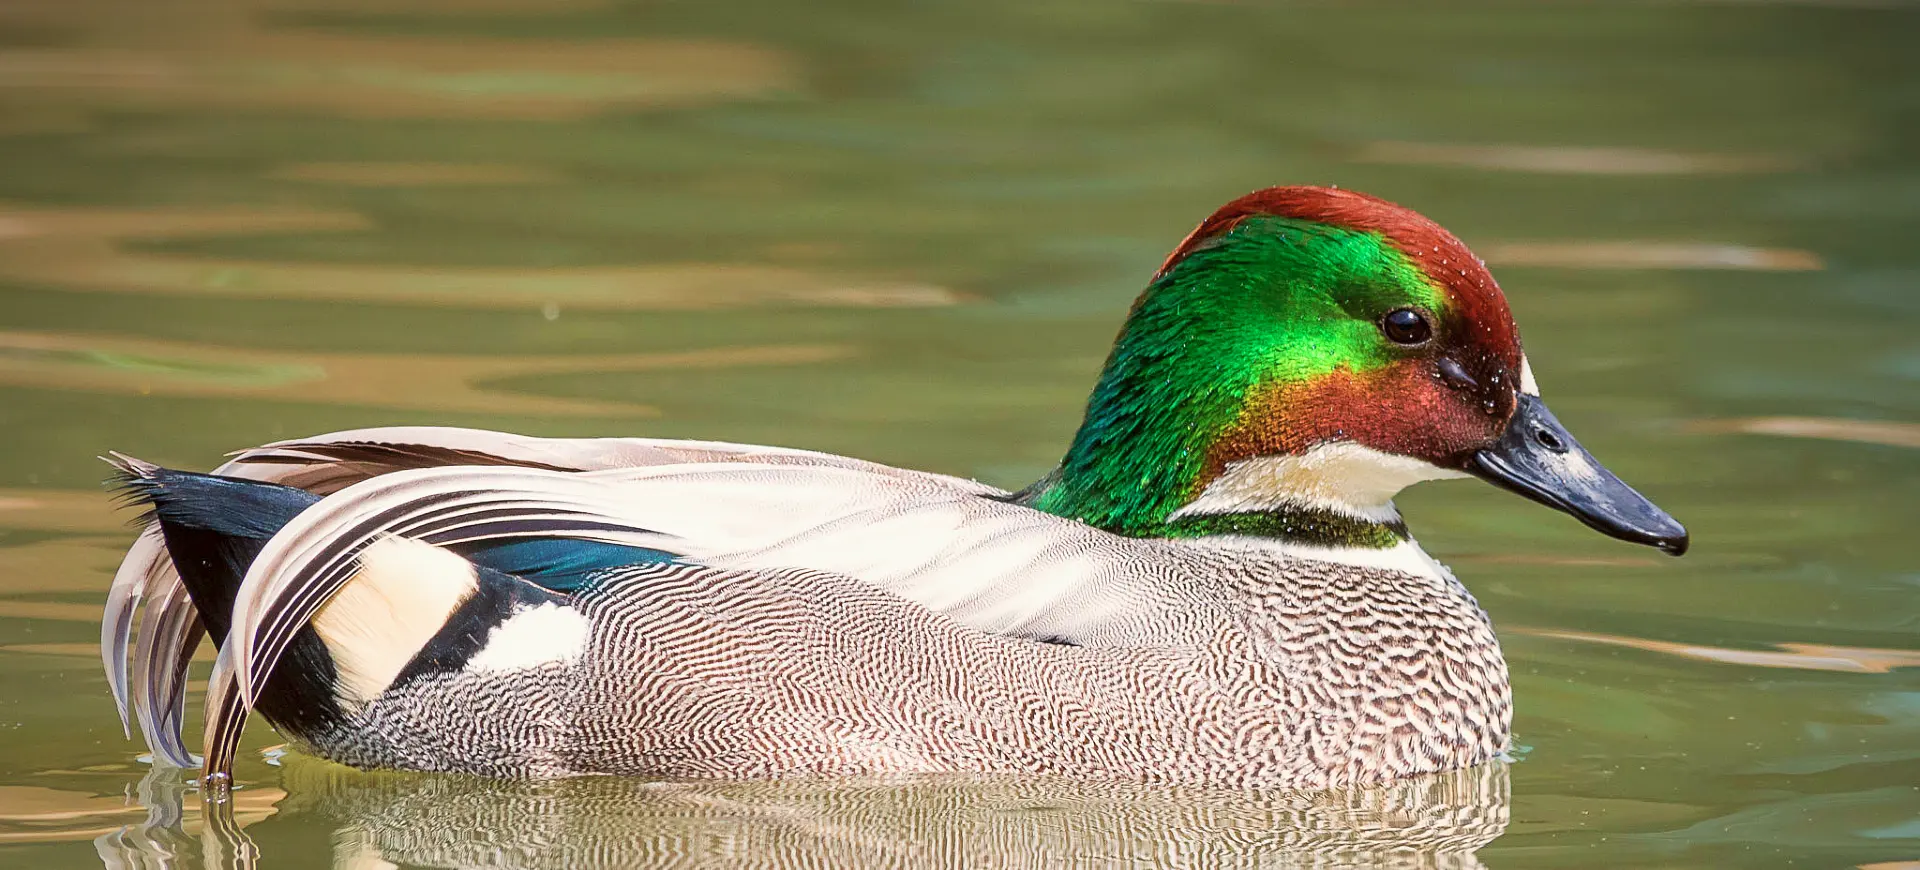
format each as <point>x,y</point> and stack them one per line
<point>908,232</point>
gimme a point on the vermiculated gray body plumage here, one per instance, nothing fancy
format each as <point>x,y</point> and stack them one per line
<point>1323,678</point>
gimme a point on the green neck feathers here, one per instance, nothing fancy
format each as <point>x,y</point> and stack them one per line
<point>1270,305</point>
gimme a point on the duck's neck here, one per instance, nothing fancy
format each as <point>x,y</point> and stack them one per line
<point>1294,524</point>
<point>1146,460</point>
<point>1259,498</point>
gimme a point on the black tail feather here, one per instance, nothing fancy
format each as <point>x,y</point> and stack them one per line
<point>215,527</point>
<point>228,506</point>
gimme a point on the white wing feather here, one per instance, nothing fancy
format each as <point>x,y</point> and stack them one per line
<point>997,564</point>
<point>950,544</point>
<point>145,574</point>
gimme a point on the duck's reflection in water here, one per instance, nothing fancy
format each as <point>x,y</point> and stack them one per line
<point>380,820</point>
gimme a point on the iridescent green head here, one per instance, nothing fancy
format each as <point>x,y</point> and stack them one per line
<point>1303,355</point>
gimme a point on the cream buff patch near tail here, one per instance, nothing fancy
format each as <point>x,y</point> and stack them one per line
<point>402,596</point>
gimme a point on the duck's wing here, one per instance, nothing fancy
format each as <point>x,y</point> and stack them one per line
<point>971,556</point>
<point>672,513</point>
<point>169,627</point>
<point>325,463</point>
<point>954,546</point>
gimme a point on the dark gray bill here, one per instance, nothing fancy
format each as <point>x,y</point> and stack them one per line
<point>1537,457</point>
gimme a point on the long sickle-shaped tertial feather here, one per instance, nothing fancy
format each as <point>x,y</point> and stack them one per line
<point>325,464</point>
<point>315,555</point>
<point>170,631</point>
<point>146,558</point>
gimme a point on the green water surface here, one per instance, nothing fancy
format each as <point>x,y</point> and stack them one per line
<point>907,232</point>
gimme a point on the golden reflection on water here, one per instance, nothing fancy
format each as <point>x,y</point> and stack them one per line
<point>62,564</point>
<point>35,814</point>
<point>42,226</point>
<point>31,814</point>
<point>57,611</point>
<point>410,77</point>
<point>234,55</point>
<point>1793,656</point>
<point>1887,432</point>
<point>1550,560</point>
<point>431,7</point>
<point>82,249</point>
<point>415,174</point>
<point>1571,160</point>
<point>409,381</point>
<point>1649,255</point>
<point>60,510</point>
<point>88,651</point>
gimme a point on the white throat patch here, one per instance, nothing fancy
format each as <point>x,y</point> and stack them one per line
<point>1406,557</point>
<point>1345,478</point>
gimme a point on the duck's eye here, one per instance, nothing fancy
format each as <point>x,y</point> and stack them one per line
<point>1406,326</point>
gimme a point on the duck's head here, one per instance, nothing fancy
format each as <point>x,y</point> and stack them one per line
<point>1300,358</point>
